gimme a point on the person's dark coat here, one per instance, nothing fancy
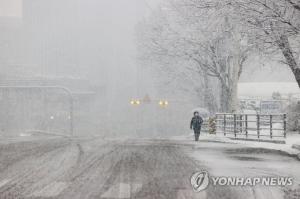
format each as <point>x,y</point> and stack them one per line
<point>196,123</point>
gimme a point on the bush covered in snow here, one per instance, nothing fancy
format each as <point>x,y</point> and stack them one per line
<point>293,111</point>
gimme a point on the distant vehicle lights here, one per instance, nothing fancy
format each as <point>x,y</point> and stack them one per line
<point>161,103</point>
<point>135,102</point>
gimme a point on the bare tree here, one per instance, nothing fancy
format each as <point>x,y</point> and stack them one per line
<point>273,24</point>
<point>159,48</point>
<point>186,32</point>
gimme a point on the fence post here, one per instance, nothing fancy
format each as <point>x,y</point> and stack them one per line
<point>246,125</point>
<point>224,123</point>
<point>234,125</point>
<point>271,126</point>
<point>284,125</point>
<point>258,125</point>
<point>241,124</point>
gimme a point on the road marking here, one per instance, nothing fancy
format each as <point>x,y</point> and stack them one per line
<point>190,194</point>
<point>25,135</point>
<point>122,190</point>
<point>4,182</point>
<point>52,190</point>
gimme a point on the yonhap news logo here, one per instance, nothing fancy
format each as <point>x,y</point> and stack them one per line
<point>201,180</point>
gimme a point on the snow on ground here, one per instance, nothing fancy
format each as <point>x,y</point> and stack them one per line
<point>291,140</point>
<point>223,156</point>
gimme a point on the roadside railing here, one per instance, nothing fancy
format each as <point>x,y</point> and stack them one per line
<point>252,125</point>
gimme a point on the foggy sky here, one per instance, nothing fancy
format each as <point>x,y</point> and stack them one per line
<point>11,8</point>
<point>106,32</point>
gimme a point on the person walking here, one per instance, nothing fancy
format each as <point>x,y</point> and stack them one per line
<point>196,124</point>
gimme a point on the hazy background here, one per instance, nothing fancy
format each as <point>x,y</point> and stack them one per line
<point>89,46</point>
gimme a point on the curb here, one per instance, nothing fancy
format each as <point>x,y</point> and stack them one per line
<point>37,132</point>
<point>296,146</point>
<point>260,140</point>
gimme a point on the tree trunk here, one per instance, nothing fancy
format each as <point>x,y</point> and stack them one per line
<point>209,99</point>
<point>228,99</point>
<point>229,85</point>
<point>225,99</point>
<point>234,63</point>
<point>285,48</point>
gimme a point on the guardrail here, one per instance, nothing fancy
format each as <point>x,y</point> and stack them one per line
<point>255,125</point>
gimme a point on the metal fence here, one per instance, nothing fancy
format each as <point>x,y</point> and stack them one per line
<point>252,125</point>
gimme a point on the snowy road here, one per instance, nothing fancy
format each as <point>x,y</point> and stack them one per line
<point>93,168</point>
